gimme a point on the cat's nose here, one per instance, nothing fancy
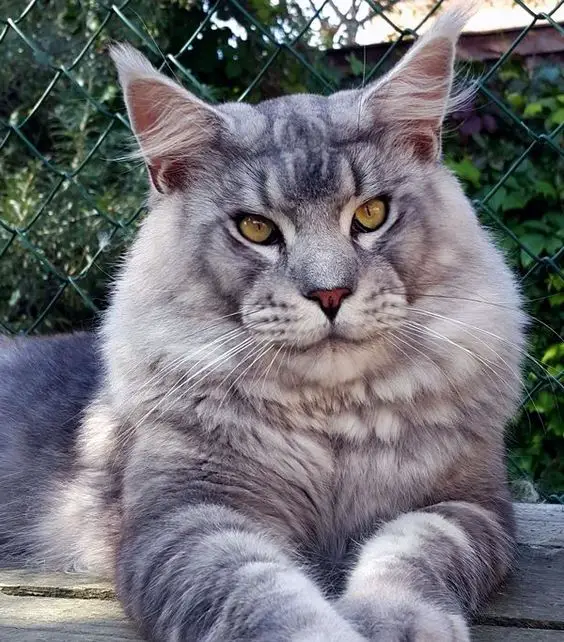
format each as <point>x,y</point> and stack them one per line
<point>329,300</point>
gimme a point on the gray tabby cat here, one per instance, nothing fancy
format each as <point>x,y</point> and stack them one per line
<point>293,425</point>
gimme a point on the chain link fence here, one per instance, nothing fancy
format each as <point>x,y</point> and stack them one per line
<point>68,208</point>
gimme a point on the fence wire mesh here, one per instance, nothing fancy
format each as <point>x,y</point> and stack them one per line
<point>68,208</point>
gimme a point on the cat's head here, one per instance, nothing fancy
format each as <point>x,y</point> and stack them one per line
<point>324,225</point>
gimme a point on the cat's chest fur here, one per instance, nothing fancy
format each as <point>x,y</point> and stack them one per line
<point>328,479</point>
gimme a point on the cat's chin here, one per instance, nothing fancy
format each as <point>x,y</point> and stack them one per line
<point>337,341</point>
<point>336,360</point>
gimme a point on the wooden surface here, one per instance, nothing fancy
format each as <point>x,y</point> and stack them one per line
<point>67,607</point>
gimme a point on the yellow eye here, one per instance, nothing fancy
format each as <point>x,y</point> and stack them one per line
<point>370,216</point>
<point>257,229</point>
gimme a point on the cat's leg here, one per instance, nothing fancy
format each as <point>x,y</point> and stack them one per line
<point>419,577</point>
<point>207,574</point>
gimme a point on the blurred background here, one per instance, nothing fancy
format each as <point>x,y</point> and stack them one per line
<point>68,208</point>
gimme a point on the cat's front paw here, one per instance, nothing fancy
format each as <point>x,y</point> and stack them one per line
<point>404,621</point>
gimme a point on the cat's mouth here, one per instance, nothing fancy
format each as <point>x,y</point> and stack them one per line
<point>334,341</point>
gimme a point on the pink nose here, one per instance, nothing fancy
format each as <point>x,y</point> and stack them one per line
<point>330,300</point>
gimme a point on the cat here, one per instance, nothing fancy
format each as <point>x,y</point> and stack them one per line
<point>289,427</point>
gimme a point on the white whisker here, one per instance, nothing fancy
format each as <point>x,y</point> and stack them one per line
<point>262,352</point>
<point>186,379</point>
<point>491,334</point>
<point>268,368</point>
<point>404,339</point>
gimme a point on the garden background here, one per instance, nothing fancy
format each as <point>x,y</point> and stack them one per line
<point>68,208</point>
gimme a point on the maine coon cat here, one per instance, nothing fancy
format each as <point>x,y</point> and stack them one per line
<point>290,426</point>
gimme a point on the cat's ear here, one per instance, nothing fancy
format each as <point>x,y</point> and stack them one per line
<point>418,92</point>
<point>174,129</point>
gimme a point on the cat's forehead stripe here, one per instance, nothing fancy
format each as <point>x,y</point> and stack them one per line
<point>307,175</point>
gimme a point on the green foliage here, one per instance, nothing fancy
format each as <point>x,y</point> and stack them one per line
<point>68,209</point>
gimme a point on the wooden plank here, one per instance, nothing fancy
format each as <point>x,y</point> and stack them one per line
<point>535,592</point>
<point>540,524</point>
<point>27,619</point>
<point>30,619</point>
<point>27,582</point>
<point>511,634</point>
<point>54,635</point>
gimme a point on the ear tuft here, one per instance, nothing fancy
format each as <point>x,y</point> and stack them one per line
<point>173,127</point>
<point>417,93</point>
<point>130,63</point>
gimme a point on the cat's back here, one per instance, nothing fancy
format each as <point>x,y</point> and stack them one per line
<point>45,385</point>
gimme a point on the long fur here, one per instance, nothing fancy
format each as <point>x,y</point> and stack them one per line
<point>241,465</point>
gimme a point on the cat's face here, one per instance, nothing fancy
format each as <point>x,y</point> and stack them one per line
<point>323,227</point>
<point>289,240</point>
<point>281,226</point>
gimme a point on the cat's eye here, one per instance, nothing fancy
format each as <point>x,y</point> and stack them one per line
<point>258,229</point>
<point>370,216</point>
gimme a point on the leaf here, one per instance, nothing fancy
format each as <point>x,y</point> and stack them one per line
<point>505,200</point>
<point>545,188</point>
<point>554,352</point>
<point>536,225</point>
<point>516,100</point>
<point>357,66</point>
<point>555,219</point>
<point>553,244</point>
<point>16,295</point>
<point>466,170</point>
<point>497,200</point>
<point>516,200</point>
<point>556,300</point>
<point>544,402</point>
<point>513,183</point>
<point>550,73</point>
<point>534,242</point>
<point>557,118</point>
<point>508,73</point>
<point>533,109</point>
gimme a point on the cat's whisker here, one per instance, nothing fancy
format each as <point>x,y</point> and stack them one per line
<point>177,363</point>
<point>207,371</point>
<point>418,328</point>
<point>440,284</point>
<point>405,340</point>
<point>285,357</point>
<point>186,358</point>
<point>515,373</point>
<point>488,372</point>
<point>215,324</point>
<point>262,351</point>
<point>511,345</point>
<point>269,367</point>
<point>430,332</point>
<point>186,379</point>
<point>207,347</point>
<point>488,364</point>
<point>495,304</point>
<point>160,400</point>
<point>253,347</point>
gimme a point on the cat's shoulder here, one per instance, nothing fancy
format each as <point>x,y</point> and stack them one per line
<point>61,350</point>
